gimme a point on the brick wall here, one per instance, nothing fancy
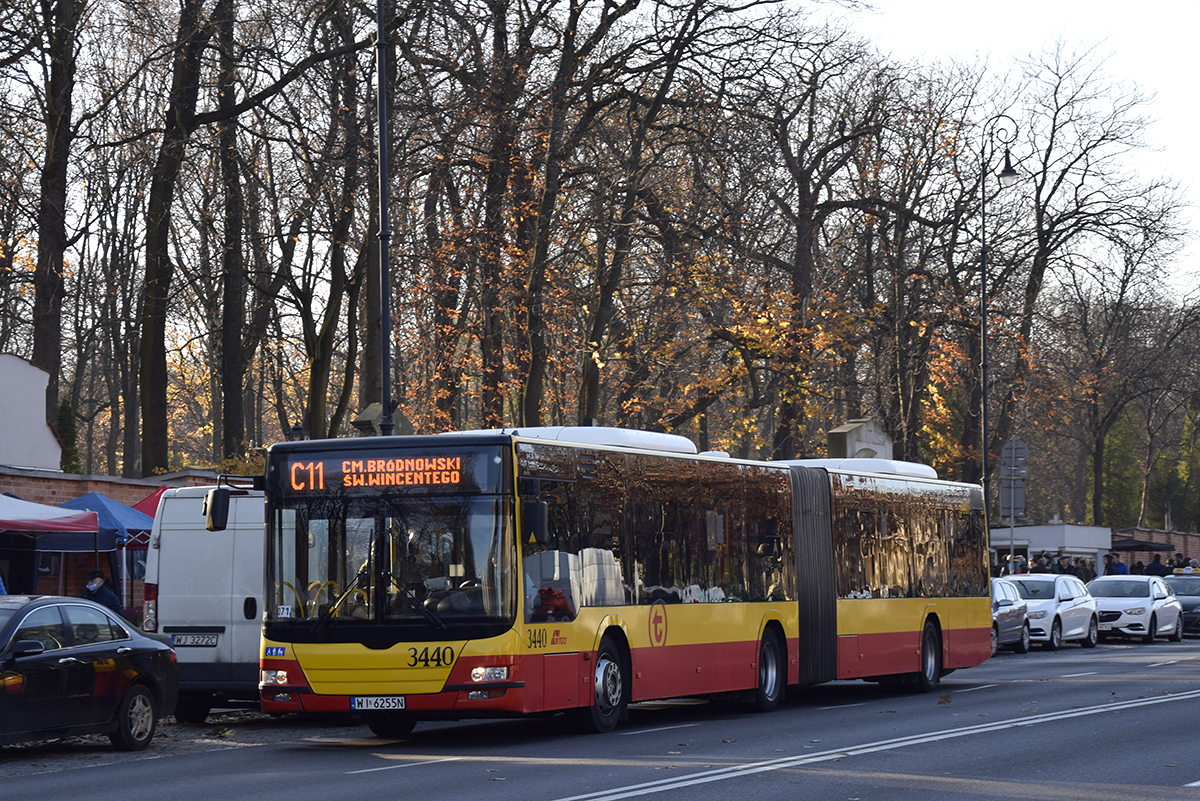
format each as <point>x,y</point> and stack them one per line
<point>50,488</point>
<point>1184,542</point>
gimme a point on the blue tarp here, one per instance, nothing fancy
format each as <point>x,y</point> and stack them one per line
<point>115,518</point>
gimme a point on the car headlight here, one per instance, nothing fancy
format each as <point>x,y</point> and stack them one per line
<point>1137,610</point>
<point>1037,615</point>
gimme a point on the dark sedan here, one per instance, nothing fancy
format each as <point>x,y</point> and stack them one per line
<point>69,667</point>
<point>1186,587</point>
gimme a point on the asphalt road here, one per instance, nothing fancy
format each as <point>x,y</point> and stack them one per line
<point>1114,723</point>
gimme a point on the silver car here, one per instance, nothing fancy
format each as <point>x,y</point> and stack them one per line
<point>1010,625</point>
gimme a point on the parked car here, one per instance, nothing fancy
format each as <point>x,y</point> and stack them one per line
<point>70,666</point>
<point>1060,609</point>
<point>1137,606</point>
<point>1186,587</point>
<point>1010,625</point>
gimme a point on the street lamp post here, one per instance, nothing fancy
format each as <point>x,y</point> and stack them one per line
<point>1000,129</point>
<point>385,237</point>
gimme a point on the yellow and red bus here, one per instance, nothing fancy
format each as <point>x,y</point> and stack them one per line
<point>529,571</point>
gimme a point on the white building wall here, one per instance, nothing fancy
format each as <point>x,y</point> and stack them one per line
<point>26,440</point>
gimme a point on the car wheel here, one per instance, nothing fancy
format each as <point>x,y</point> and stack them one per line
<point>1022,646</point>
<point>609,689</point>
<point>1177,634</point>
<point>1055,641</point>
<point>137,719</point>
<point>770,681</point>
<point>931,658</point>
<point>1093,635</point>
<point>390,724</point>
<point>193,709</point>
<point>995,640</point>
<point>1148,637</point>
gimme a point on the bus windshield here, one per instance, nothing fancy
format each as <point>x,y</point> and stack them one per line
<point>345,561</point>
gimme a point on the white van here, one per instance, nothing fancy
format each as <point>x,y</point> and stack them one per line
<point>204,590</point>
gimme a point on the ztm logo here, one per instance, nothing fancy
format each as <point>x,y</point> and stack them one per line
<point>658,625</point>
<point>557,639</point>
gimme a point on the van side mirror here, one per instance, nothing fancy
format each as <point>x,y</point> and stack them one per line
<point>216,509</point>
<point>535,522</point>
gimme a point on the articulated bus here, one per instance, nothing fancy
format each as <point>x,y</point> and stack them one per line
<point>541,570</point>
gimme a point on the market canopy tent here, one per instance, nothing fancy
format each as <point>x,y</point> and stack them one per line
<point>54,528</point>
<point>149,504</point>
<point>1140,545</point>
<point>114,518</point>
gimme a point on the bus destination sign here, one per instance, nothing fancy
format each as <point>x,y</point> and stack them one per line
<point>306,474</point>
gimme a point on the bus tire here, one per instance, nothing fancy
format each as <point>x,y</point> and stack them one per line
<point>930,672</point>
<point>769,691</point>
<point>610,691</point>
<point>390,724</point>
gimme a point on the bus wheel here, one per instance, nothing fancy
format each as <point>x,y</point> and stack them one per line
<point>769,692</point>
<point>390,724</point>
<point>931,659</point>
<point>610,692</point>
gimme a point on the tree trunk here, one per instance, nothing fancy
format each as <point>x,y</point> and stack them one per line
<point>179,123</point>
<point>62,22</point>
<point>233,309</point>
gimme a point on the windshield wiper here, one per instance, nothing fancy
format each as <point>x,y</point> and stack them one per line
<point>428,613</point>
<point>328,613</point>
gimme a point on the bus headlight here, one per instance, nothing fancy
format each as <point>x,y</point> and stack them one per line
<point>274,677</point>
<point>489,674</point>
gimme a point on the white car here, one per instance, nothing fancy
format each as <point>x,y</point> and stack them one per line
<point>1137,606</point>
<point>1059,608</point>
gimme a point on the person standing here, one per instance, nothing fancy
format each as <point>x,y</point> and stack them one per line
<point>1119,567</point>
<point>101,594</point>
<point>1156,567</point>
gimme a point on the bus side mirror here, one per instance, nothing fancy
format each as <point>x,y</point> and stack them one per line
<point>216,509</point>
<point>535,522</point>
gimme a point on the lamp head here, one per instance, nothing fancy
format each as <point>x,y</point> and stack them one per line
<point>1008,176</point>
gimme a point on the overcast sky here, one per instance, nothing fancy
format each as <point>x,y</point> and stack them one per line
<point>1153,43</point>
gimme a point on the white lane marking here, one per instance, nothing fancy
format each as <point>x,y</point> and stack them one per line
<point>660,728</point>
<point>1073,675</point>
<point>720,774</point>
<point>1162,664</point>
<point>404,765</point>
<point>973,689</point>
<point>1193,784</point>
<point>843,706</point>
